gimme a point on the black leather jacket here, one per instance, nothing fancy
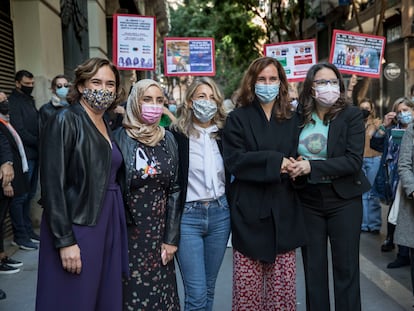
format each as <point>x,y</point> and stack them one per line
<point>75,166</point>
<point>128,148</point>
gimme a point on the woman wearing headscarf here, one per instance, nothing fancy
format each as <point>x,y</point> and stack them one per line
<point>151,197</point>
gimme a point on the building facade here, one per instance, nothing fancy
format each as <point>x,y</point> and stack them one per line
<point>398,28</point>
<point>50,37</point>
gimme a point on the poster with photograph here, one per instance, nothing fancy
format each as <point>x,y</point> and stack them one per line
<point>357,53</point>
<point>189,57</point>
<point>134,42</point>
<point>296,57</point>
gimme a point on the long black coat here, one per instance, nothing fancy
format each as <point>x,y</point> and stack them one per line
<point>266,214</point>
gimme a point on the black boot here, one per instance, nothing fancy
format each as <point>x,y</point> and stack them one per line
<point>388,244</point>
<point>400,261</point>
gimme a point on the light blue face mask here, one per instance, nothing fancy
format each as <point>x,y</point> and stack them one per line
<point>62,92</point>
<point>405,117</point>
<point>172,108</point>
<point>266,92</point>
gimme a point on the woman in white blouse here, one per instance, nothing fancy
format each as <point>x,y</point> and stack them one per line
<point>205,223</point>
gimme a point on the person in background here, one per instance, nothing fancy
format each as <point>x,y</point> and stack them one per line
<point>352,83</point>
<point>390,132</point>
<point>260,137</point>
<point>24,117</point>
<point>205,224</point>
<point>293,95</point>
<point>60,88</point>
<point>151,194</point>
<point>169,112</point>
<point>331,146</point>
<point>13,175</point>
<point>371,213</point>
<point>412,93</point>
<point>228,105</point>
<point>404,230</point>
<point>13,166</point>
<point>84,251</point>
<point>6,177</point>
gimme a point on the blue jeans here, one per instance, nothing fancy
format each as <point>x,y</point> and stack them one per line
<point>371,217</point>
<point>21,205</point>
<point>205,229</point>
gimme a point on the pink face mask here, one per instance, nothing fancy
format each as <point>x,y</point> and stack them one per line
<point>151,113</point>
<point>327,95</point>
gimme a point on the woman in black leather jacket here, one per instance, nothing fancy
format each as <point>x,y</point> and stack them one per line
<point>83,249</point>
<point>151,196</point>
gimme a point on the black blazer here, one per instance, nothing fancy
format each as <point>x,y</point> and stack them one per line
<point>266,215</point>
<point>184,156</point>
<point>345,148</point>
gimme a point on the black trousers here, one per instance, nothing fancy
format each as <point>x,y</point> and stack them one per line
<point>4,207</point>
<point>328,216</point>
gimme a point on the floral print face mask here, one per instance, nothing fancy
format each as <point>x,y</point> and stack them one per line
<point>98,99</point>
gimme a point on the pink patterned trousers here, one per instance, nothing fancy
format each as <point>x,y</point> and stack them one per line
<point>259,286</point>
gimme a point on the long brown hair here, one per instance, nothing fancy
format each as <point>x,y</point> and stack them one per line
<point>246,92</point>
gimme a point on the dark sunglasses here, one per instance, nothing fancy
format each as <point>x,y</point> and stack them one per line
<point>60,85</point>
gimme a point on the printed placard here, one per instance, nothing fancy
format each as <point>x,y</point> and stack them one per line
<point>189,57</point>
<point>296,57</point>
<point>357,53</point>
<point>134,42</point>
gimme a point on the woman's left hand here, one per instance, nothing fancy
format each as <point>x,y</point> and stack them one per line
<point>167,253</point>
<point>299,168</point>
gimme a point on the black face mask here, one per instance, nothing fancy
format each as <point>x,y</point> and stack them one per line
<point>365,113</point>
<point>27,89</point>
<point>4,107</point>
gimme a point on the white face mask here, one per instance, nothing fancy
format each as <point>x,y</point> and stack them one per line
<point>327,95</point>
<point>204,110</point>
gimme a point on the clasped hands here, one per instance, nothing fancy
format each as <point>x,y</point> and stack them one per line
<point>295,167</point>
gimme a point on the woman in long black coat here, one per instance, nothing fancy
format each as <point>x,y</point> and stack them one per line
<point>259,139</point>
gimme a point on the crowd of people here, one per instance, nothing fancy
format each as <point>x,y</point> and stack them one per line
<point>128,187</point>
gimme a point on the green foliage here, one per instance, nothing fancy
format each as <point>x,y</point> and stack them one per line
<point>279,19</point>
<point>236,37</point>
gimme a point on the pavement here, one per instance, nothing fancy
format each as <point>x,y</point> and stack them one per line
<point>382,289</point>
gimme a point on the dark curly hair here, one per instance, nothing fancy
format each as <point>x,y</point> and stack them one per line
<point>307,99</point>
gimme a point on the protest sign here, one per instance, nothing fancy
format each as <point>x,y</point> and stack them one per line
<point>296,57</point>
<point>134,42</point>
<point>357,53</point>
<point>189,56</point>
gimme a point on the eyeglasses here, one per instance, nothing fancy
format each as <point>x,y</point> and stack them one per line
<point>62,85</point>
<point>323,82</point>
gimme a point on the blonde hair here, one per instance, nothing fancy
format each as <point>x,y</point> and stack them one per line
<point>184,122</point>
<point>148,134</point>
